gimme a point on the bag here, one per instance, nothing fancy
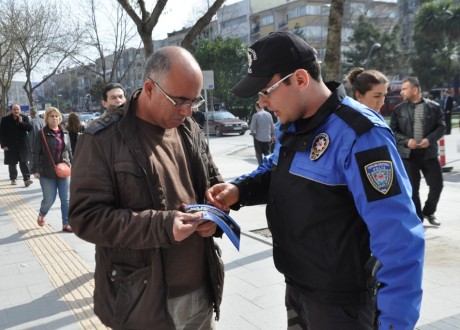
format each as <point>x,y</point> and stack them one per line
<point>62,170</point>
<point>217,276</point>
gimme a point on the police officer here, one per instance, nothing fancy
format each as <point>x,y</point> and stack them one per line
<point>338,198</point>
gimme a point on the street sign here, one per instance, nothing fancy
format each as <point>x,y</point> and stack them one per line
<point>208,79</point>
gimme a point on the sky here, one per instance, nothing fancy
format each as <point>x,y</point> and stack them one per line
<point>176,15</point>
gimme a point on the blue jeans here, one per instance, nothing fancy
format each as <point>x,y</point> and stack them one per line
<point>49,190</point>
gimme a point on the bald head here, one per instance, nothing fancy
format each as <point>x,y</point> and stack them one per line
<point>172,86</point>
<point>15,110</point>
<point>168,59</point>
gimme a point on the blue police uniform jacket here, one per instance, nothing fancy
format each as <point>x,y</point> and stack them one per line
<point>337,194</point>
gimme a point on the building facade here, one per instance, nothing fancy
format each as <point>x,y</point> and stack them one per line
<point>247,20</point>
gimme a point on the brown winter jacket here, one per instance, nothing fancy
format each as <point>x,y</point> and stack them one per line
<point>117,203</point>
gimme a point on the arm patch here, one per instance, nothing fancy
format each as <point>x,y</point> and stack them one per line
<point>377,174</point>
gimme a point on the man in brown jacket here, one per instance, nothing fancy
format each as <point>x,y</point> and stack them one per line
<point>156,267</point>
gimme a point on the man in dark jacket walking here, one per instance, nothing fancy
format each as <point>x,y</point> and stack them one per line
<point>418,124</point>
<point>448,108</point>
<point>15,144</point>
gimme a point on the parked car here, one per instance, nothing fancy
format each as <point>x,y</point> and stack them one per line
<point>390,103</point>
<point>224,122</point>
<point>86,118</point>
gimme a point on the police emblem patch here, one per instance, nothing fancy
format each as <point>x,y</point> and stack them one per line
<point>380,175</point>
<point>319,146</point>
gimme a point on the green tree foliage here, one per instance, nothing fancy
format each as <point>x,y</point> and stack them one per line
<point>385,59</point>
<point>437,43</point>
<point>228,59</point>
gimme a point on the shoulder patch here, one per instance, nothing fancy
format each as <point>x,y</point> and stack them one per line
<point>377,173</point>
<point>359,123</point>
<point>102,123</point>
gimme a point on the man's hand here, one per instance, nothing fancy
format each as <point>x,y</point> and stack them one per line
<point>37,175</point>
<point>185,225</point>
<point>412,144</point>
<point>223,195</point>
<point>424,144</point>
<point>206,228</point>
<point>5,148</point>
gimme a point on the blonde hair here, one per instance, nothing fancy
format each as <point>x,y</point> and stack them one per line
<point>48,113</point>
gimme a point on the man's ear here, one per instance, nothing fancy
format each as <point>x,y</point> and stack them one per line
<point>104,104</point>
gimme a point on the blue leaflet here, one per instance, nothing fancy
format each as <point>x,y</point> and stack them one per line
<point>222,219</point>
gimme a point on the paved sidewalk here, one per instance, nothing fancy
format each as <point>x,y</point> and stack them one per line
<point>46,278</point>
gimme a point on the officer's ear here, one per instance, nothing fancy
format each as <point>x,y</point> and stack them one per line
<point>301,78</point>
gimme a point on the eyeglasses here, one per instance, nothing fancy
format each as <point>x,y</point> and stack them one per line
<point>274,86</point>
<point>194,104</point>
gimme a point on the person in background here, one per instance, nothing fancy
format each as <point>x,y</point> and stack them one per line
<point>37,124</point>
<point>199,118</point>
<point>113,94</point>
<point>263,131</point>
<point>132,172</point>
<point>448,108</point>
<point>418,123</point>
<point>58,141</point>
<point>338,198</point>
<point>75,128</point>
<point>15,144</point>
<point>369,87</point>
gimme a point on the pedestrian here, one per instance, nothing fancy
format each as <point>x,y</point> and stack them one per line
<point>448,108</point>
<point>263,132</point>
<point>113,94</point>
<point>132,172</point>
<point>199,118</point>
<point>369,87</point>
<point>337,195</point>
<point>75,128</point>
<point>53,139</point>
<point>418,124</point>
<point>15,144</point>
<point>37,124</point>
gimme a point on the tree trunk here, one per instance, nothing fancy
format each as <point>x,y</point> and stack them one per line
<point>334,41</point>
<point>201,24</point>
<point>147,21</point>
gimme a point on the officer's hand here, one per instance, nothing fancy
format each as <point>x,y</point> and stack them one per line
<point>222,195</point>
<point>37,175</point>
<point>206,228</point>
<point>5,149</point>
<point>185,224</point>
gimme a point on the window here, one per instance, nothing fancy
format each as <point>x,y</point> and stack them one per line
<point>313,10</point>
<point>313,32</point>
<point>233,23</point>
<point>266,20</point>
<point>357,9</point>
<point>347,33</point>
<point>297,12</point>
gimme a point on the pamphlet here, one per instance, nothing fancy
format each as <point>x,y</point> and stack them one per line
<point>221,218</point>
